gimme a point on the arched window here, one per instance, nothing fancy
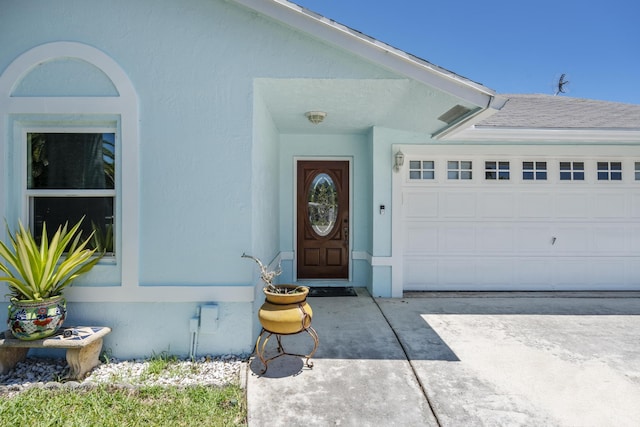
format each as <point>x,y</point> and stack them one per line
<point>71,149</point>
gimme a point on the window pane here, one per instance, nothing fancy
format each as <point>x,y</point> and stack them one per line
<point>527,165</point>
<point>603,176</point>
<point>541,176</point>
<point>527,176</point>
<point>452,165</point>
<point>465,175</point>
<point>452,175</point>
<point>578,166</point>
<point>70,161</point>
<point>428,175</point>
<point>414,174</point>
<point>322,201</point>
<point>616,166</point>
<point>564,166</point>
<point>490,165</point>
<point>465,165</point>
<point>414,164</point>
<point>565,176</point>
<point>578,176</point>
<point>55,211</point>
<point>427,164</point>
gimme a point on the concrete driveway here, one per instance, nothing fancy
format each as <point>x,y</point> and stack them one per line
<point>460,359</point>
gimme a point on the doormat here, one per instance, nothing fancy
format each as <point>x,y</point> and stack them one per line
<point>332,291</point>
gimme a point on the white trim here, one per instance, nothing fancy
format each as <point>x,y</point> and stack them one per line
<point>296,159</point>
<point>173,294</point>
<point>124,106</point>
<point>540,135</point>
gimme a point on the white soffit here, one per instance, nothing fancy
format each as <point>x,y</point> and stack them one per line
<point>372,49</point>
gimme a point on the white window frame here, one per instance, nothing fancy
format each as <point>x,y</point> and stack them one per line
<point>609,171</point>
<point>535,170</point>
<point>459,170</point>
<point>422,170</point>
<point>572,170</point>
<point>29,194</point>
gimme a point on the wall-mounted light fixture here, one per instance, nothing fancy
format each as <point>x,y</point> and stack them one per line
<point>315,117</point>
<point>398,161</point>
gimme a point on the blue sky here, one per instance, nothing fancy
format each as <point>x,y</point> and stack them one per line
<point>511,46</point>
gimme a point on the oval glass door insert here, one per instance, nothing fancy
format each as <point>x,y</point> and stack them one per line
<point>322,204</point>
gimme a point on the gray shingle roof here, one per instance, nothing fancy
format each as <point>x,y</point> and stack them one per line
<point>560,112</point>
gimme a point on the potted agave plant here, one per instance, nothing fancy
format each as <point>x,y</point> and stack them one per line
<point>37,274</point>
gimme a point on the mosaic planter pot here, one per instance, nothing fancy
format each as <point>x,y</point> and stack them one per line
<point>32,320</point>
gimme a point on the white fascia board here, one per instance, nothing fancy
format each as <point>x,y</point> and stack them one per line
<point>556,135</point>
<point>452,131</point>
<point>378,52</point>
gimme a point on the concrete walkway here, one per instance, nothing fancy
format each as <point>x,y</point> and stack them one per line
<point>459,360</point>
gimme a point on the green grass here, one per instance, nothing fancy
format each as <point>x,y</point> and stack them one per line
<point>109,406</point>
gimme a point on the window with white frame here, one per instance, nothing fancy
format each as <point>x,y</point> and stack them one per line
<point>572,171</point>
<point>459,170</point>
<point>496,170</point>
<point>534,171</point>
<point>610,171</point>
<point>71,175</point>
<point>422,169</point>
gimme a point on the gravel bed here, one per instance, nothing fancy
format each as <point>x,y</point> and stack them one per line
<point>50,373</point>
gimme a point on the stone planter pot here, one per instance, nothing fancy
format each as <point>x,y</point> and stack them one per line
<point>285,313</point>
<point>32,320</point>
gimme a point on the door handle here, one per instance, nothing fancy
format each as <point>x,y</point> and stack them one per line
<point>346,234</point>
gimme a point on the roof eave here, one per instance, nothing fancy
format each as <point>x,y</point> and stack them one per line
<point>371,49</point>
<point>505,134</point>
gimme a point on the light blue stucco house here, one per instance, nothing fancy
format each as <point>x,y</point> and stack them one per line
<point>203,111</point>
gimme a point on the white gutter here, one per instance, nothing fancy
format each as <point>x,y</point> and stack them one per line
<point>453,130</point>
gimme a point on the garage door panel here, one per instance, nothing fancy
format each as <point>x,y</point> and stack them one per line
<point>572,205</point>
<point>421,205</point>
<point>610,240</point>
<point>574,239</point>
<point>496,205</point>
<point>496,273</point>
<point>607,272</point>
<point>534,205</point>
<point>533,273</point>
<point>420,274</point>
<point>495,239</point>
<point>458,205</point>
<point>635,204</point>
<point>421,238</point>
<point>458,272</point>
<point>571,273</point>
<point>457,239</point>
<point>607,205</point>
<point>534,238</point>
<point>634,239</point>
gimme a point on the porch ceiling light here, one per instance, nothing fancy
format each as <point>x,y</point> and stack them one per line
<point>315,117</point>
<point>398,161</point>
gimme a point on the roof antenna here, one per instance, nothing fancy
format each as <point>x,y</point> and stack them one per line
<point>561,84</point>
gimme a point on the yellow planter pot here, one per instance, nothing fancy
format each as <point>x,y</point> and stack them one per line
<point>286,313</point>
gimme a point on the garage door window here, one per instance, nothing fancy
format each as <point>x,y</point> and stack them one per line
<point>496,170</point>
<point>637,171</point>
<point>422,169</point>
<point>610,171</point>
<point>534,171</point>
<point>572,171</point>
<point>459,169</point>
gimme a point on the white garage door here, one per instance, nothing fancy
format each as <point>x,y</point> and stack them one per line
<point>483,221</point>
